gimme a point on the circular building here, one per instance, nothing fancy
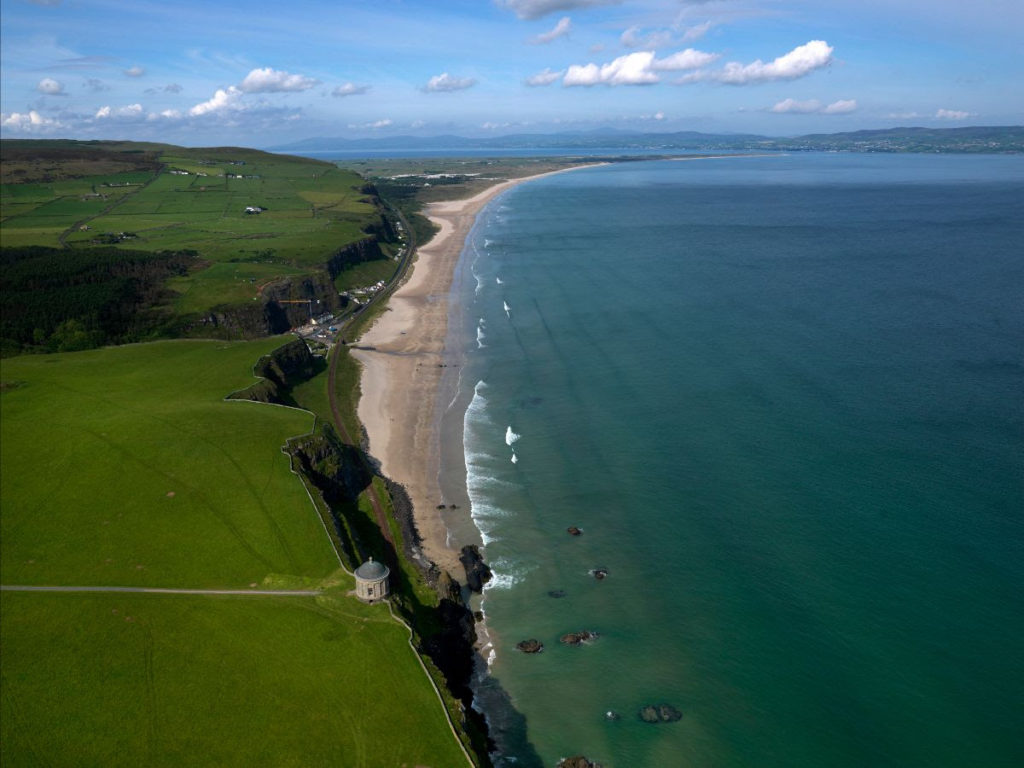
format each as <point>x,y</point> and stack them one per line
<point>372,581</point>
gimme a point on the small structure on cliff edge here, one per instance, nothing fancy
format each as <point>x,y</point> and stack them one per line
<point>372,581</point>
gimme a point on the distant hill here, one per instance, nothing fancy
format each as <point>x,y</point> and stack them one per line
<point>977,139</point>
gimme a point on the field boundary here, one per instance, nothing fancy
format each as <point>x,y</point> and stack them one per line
<point>164,590</point>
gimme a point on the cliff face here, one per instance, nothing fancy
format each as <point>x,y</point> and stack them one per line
<point>367,249</point>
<point>291,302</point>
<point>281,370</point>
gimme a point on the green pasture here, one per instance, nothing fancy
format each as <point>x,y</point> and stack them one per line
<point>313,209</point>
<point>169,680</point>
<point>224,283</point>
<point>125,466</point>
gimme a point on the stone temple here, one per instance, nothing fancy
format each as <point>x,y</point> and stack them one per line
<point>372,581</point>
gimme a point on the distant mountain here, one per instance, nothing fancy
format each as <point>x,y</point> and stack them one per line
<point>969,139</point>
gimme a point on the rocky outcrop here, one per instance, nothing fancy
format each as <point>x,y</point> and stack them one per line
<point>577,638</point>
<point>530,646</point>
<point>574,531</point>
<point>577,761</point>
<point>477,572</point>
<point>660,713</point>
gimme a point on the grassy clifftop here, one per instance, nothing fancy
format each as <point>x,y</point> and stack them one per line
<point>125,466</point>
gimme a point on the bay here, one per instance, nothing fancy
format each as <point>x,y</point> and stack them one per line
<point>782,398</point>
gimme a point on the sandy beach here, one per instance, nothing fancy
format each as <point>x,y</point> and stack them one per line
<point>403,372</point>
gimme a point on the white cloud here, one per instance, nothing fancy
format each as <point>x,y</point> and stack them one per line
<point>223,100</point>
<point>794,107</point>
<point>130,111</point>
<point>688,59</point>
<point>445,83</point>
<point>544,77</point>
<point>95,85</point>
<point>841,107</point>
<point>563,27</point>
<point>135,71</point>
<point>417,124</point>
<point>696,32</point>
<point>813,106</point>
<point>952,114</point>
<point>632,38</point>
<point>28,121</point>
<point>50,87</point>
<point>801,61</point>
<point>269,80</point>
<point>534,9</point>
<point>631,69</point>
<point>373,126</point>
<point>349,89</point>
<point>639,68</point>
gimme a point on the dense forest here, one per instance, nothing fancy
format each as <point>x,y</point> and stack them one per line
<point>62,300</point>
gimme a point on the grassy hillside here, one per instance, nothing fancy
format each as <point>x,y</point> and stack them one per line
<point>169,680</point>
<point>125,466</point>
<point>250,219</point>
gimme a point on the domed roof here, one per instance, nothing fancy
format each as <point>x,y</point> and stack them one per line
<point>371,571</point>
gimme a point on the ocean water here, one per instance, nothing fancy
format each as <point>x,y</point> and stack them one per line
<point>784,399</point>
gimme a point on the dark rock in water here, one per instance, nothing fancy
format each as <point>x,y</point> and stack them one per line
<point>660,713</point>
<point>440,506</point>
<point>530,646</point>
<point>600,573</point>
<point>575,638</point>
<point>453,506</point>
<point>477,572</point>
<point>574,531</point>
<point>577,761</point>
<point>556,593</point>
<point>478,615</point>
<point>612,715</point>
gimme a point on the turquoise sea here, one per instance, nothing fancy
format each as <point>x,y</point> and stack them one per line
<point>784,399</point>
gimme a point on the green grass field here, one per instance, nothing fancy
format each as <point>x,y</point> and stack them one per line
<point>168,680</point>
<point>125,466</point>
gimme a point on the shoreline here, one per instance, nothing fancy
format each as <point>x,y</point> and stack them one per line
<point>408,373</point>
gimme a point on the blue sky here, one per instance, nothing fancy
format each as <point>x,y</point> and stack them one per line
<point>261,73</point>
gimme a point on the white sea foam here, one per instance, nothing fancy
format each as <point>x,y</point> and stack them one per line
<point>488,243</point>
<point>480,336</point>
<point>499,281</point>
<point>507,308</point>
<point>514,459</point>
<point>510,436</point>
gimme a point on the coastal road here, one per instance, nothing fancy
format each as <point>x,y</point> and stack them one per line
<point>166,591</point>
